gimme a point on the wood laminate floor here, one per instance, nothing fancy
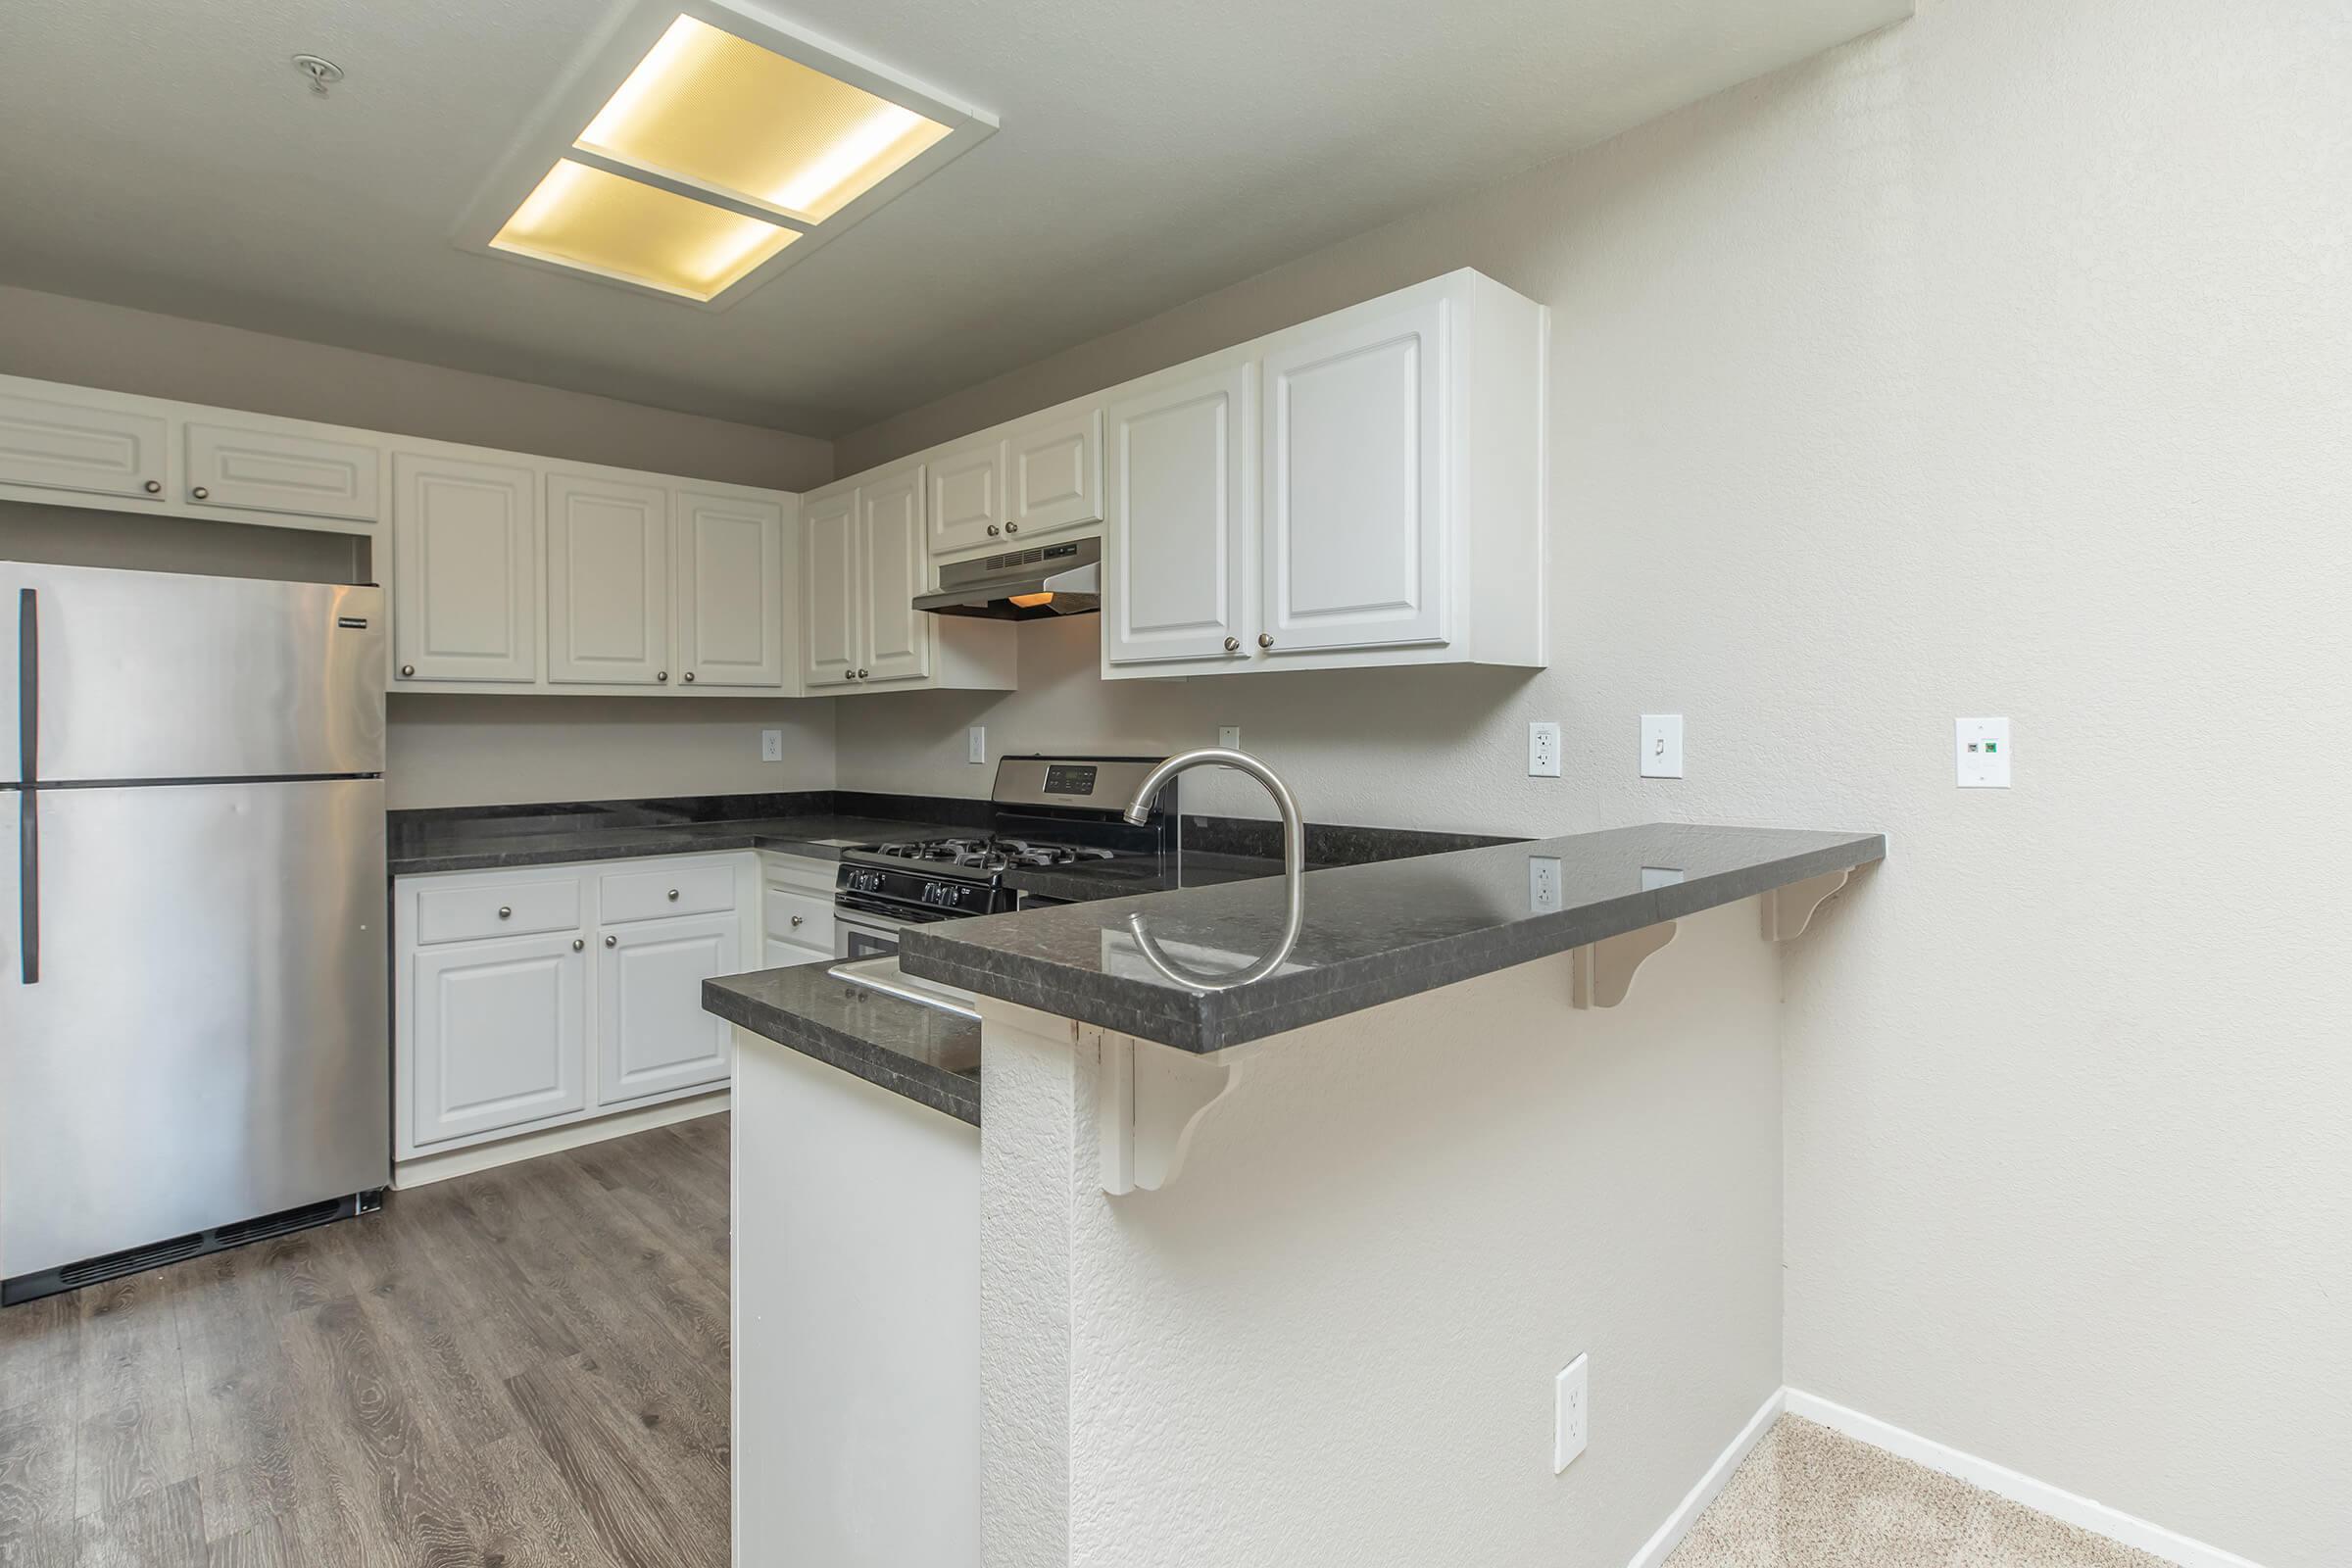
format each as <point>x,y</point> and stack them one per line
<point>524,1367</point>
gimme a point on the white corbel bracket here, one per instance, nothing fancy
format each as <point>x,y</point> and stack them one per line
<point>1148,1100</point>
<point>1789,910</point>
<point>1604,970</point>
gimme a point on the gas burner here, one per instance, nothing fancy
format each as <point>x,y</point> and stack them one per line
<point>991,856</point>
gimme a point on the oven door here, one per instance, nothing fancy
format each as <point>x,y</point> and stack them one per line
<point>863,931</point>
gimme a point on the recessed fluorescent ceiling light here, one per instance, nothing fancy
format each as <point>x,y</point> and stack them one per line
<point>602,223</point>
<point>709,109</point>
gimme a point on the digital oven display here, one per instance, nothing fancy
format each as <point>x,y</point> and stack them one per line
<point>1070,780</point>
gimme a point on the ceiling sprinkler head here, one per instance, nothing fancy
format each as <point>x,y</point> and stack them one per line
<point>323,73</point>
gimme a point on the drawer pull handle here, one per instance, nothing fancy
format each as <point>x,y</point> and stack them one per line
<point>201,492</point>
<point>673,894</point>
<point>408,672</point>
<point>155,487</point>
<point>994,530</point>
<point>1266,639</point>
<point>506,911</point>
<point>862,675</point>
<point>796,919</point>
<point>1012,527</point>
<point>662,675</point>
<point>577,942</point>
<point>1232,643</point>
<point>611,942</point>
<point>690,677</point>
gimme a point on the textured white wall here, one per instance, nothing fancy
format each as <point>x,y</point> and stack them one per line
<point>1333,1339</point>
<point>2000,362</point>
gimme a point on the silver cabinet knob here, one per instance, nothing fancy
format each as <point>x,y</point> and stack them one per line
<point>994,530</point>
<point>1232,643</point>
<point>1012,527</point>
<point>662,675</point>
<point>862,675</point>
<point>506,911</point>
<point>155,487</point>
<point>690,677</point>
<point>577,942</point>
<point>201,492</point>
<point>796,921</point>
<point>673,894</point>
<point>407,670</point>
<point>1266,639</point>
<point>611,942</point>
<point>848,674</point>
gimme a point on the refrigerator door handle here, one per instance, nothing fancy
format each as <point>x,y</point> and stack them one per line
<point>28,815</point>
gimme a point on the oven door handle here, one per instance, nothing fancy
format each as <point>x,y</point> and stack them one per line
<point>851,905</point>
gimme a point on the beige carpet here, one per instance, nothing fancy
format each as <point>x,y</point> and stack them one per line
<point>1809,1498</point>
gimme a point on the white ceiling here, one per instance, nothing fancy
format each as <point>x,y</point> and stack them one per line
<point>168,157</point>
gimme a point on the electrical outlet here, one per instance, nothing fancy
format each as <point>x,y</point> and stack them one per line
<point>1568,1429</point>
<point>1228,736</point>
<point>1981,751</point>
<point>1543,749</point>
<point>1661,746</point>
<point>771,746</point>
<point>1543,883</point>
<point>976,744</point>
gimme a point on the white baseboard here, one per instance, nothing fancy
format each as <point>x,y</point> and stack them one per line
<point>2003,1482</point>
<point>1710,1486</point>
<point>426,1169</point>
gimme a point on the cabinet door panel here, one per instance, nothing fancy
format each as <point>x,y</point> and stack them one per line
<point>653,1034</point>
<point>898,636</point>
<point>730,590</point>
<point>608,582</point>
<point>277,471</point>
<point>465,572</point>
<point>1054,473</point>
<point>1176,523</point>
<point>500,1036</point>
<point>1353,513</point>
<point>90,448</point>
<point>967,496</point>
<point>829,626</point>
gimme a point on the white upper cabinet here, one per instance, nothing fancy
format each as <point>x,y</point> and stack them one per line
<point>730,589</point>
<point>1392,469</point>
<point>464,570</point>
<point>258,468</point>
<point>1176,468</point>
<point>607,581</point>
<point>829,589</point>
<point>1054,473</point>
<point>1352,467</point>
<point>88,444</point>
<point>967,496</point>
<point>898,636</point>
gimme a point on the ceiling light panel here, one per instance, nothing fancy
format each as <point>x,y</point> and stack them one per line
<point>617,227</point>
<point>709,109</point>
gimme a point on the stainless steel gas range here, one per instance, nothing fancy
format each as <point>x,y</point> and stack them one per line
<point>1046,811</point>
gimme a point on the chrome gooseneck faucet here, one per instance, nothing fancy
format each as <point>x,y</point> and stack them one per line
<point>1293,866</point>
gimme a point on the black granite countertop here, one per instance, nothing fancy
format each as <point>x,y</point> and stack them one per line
<point>921,1052</point>
<point>1373,933</point>
<point>475,843</point>
<point>1130,875</point>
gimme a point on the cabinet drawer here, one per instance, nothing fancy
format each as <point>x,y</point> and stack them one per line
<point>796,917</point>
<point>497,910</point>
<point>669,889</point>
<point>800,873</point>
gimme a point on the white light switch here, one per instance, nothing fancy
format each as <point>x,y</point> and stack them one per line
<point>976,744</point>
<point>1661,746</point>
<point>1981,747</point>
<point>1228,736</point>
<point>771,746</point>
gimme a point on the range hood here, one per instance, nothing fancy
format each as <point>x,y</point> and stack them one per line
<point>1033,584</point>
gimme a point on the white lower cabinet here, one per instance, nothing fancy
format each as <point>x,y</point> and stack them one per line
<point>528,1002</point>
<point>652,1034</point>
<point>500,1035</point>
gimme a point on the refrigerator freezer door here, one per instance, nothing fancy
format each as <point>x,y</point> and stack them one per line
<point>160,675</point>
<point>208,1041</point>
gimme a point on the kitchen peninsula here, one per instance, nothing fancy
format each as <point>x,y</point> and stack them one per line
<point>1303,1256</point>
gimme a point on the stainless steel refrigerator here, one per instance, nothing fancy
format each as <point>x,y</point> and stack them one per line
<point>194,1044</point>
